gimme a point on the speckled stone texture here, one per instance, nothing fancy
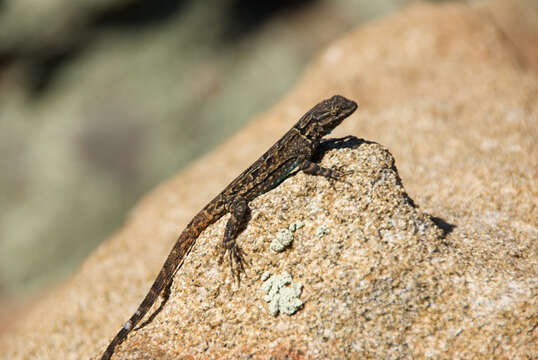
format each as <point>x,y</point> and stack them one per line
<point>452,92</point>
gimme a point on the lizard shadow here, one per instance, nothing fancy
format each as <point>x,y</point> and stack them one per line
<point>346,142</point>
<point>445,227</point>
<point>352,142</point>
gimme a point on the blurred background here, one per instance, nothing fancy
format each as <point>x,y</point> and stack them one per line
<point>100,100</point>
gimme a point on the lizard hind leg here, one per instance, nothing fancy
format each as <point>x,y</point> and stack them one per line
<point>236,223</point>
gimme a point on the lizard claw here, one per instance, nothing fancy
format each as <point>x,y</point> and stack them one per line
<point>337,175</point>
<point>236,256</point>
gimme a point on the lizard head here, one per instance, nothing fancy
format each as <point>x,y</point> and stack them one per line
<point>325,116</point>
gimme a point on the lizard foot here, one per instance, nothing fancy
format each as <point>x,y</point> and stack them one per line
<point>237,261</point>
<point>338,175</point>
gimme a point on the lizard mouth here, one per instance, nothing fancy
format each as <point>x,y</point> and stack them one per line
<point>347,106</point>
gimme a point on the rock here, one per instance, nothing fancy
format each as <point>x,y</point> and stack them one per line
<point>378,261</point>
<point>448,274</point>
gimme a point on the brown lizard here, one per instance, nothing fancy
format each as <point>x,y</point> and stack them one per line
<point>294,151</point>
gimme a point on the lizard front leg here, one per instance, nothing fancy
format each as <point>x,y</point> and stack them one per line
<point>239,213</point>
<point>311,168</point>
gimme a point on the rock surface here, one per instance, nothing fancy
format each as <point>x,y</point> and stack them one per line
<point>451,91</point>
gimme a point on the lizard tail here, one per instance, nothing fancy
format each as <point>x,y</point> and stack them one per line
<point>174,261</point>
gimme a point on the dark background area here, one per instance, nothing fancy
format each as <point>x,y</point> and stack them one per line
<point>102,100</point>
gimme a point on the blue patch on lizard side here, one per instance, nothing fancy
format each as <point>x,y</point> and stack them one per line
<point>286,174</point>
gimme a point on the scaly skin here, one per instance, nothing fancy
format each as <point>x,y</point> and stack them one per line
<point>293,151</point>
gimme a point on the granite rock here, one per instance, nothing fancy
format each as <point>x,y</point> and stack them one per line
<point>451,91</point>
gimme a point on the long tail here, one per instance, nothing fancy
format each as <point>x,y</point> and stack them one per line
<point>174,261</point>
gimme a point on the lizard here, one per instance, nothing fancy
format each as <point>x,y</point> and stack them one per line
<point>293,151</point>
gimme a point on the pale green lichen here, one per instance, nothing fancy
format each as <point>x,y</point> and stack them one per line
<point>282,240</point>
<point>282,293</point>
<point>322,230</point>
<point>266,275</point>
<point>296,226</point>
